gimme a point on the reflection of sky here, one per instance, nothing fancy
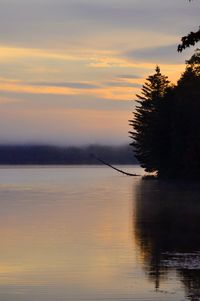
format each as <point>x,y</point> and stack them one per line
<point>65,234</point>
<point>65,64</point>
<point>69,234</point>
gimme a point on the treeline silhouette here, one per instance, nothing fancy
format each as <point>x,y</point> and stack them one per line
<point>166,124</point>
<point>54,155</point>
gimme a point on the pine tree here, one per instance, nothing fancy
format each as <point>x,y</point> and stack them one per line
<point>166,124</point>
<point>185,156</point>
<point>147,123</point>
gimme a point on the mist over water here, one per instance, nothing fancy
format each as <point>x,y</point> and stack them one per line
<point>88,233</point>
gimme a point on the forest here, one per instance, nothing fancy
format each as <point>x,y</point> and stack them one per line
<point>165,129</point>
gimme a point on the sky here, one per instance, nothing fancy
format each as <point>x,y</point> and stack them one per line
<point>70,69</point>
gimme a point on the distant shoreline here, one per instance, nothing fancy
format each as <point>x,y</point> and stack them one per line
<point>23,155</point>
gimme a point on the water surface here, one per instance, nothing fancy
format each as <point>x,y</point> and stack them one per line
<point>89,233</point>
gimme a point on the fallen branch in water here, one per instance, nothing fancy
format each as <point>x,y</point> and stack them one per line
<point>109,165</point>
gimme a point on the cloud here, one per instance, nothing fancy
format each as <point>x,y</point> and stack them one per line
<point>47,101</point>
<point>12,53</point>
<point>66,57</point>
<point>67,22</point>
<point>76,85</point>
<point>103,92</point>
<point>63,120</point>
<point>111,61</point>
<point>128,76</point>
<point>122,84</point>
<point>10,101</point>
<point>164,54</point>
<point>82,85</point>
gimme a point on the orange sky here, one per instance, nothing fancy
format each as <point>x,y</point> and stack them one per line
<point>69,74</point>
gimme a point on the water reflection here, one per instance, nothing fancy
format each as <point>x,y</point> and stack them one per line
<point>167,232</point>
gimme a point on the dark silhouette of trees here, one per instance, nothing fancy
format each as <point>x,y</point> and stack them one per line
<point>185,155</point>
<point>147,134</point>
<point>189,40</point>
<point>166,124</point>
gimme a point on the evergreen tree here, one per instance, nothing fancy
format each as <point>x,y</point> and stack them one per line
<point>148,126</point>
<point>166,124</point>
<point>185,135</point>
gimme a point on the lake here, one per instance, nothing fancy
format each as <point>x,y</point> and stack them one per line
<point>92,234</point>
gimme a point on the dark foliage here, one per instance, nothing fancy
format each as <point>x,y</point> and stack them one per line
<point>166,125</point>
<point>150,114</point>
<point>185,135</point>
<point>190,40</point>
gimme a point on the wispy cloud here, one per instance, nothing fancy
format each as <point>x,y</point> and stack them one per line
<point>10,100</point>
<point>67,21</point>
<point>76,85</point>
<point>163,54</point>
<point>115,92</point>
<point>122,84</point>
<point>68,56</point>
<point>128,76</point>
<point>111,62</point>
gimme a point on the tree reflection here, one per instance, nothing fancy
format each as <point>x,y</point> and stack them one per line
<point>167,231</point>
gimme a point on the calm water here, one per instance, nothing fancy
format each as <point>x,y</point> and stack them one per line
<point>88,233</point>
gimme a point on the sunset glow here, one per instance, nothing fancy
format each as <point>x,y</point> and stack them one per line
<point>83,56</point>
